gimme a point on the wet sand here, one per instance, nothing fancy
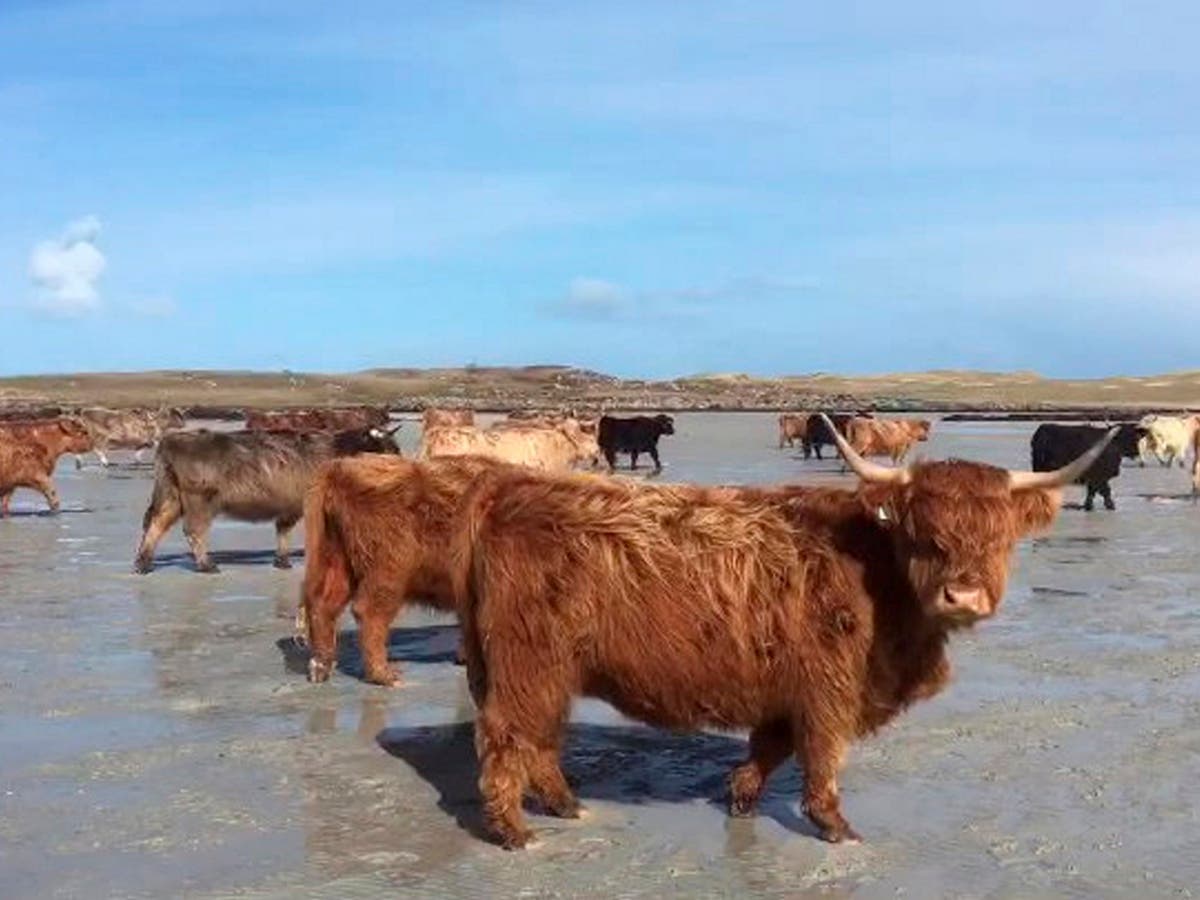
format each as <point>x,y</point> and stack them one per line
<point>158,738</point>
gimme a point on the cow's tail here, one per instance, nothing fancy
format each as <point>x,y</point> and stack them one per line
<point>327,577</point>
<point>467,576</point>
<point>165,491</point>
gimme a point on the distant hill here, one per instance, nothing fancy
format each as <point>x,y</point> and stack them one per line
<point>556,386</point>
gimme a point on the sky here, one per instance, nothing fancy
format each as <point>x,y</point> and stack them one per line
<point>645,188</point>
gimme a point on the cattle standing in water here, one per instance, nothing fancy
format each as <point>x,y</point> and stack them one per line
<point>551,448</point>
<point>1054,445</point>
<point>885,437</point>
<point>634,435</point>
<point>819,431</point>
<point>1168,438</point>
<point>377,535</point>
<point>255,476</point>
<point>811,617</point>
<point>792,427</point>
<point>127,429</point>
<point>318,419</point>
<point>29,451</point>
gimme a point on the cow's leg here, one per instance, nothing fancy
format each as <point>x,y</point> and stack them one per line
<point>45,486</point>
<point>633,455</point>
<point>78,461</point>
<point>610,456</point>
<point>820,753</point>
<point>1105,491</point>
<point>1088,501</point>
<point>375,607</point>
<point>137,455</point>
<point>770,745</point>
<point>518,736</point>
<point>197,519</point>
<point>283,529</point>
<point>157,522</point>
<point>100,456</point>
<point>504,759</point>
<point>549,785</point>
<point>657,461</point>
<point>5,499</point>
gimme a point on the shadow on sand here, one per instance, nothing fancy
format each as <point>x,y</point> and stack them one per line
<point>223,558</point>
<point>43,513</point>
<point>630,764</point>
<point>428,644</point>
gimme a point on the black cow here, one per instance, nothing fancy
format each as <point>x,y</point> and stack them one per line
<point>635,435</point>
<point>817,433</point>
<point>1055,445</point>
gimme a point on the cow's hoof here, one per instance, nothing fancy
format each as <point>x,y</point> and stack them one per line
<point>516,840</point>
<point>283,562</point>
<point>743,807</point>
<point>840,834</point>
<point>208,568</point>
<point>143,566</point>
<point>388,677</point>
<point>318,671</point>
<point>460,656</point>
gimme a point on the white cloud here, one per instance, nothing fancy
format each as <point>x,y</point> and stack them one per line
<point>597,299</point>
<point>66,270</point>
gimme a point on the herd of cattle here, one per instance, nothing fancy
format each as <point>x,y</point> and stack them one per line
<point>809,616</point>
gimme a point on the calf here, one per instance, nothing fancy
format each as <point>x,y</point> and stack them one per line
<point>1052,445</point>
<point>638,434</point>
<point>376,534</point>
<point>29,452</point>
<point>792,428</point>
<point>811,617</point>
<point>255,476</point>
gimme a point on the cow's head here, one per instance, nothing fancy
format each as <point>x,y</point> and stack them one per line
<point>586,447</point>
<point>666,425</point>
<point>76,438</point>
<point>954,524</point>
<point>1128,439</point>
<point>920,429</point>
<point>365,440</point>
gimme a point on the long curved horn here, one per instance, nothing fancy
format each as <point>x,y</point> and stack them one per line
<point>867,471</point>
<point>1018,481</point>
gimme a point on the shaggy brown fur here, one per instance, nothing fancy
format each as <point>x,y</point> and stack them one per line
<point>442,418</point>
<point>320,419</point>
<point>792,427</point>
<point>811,617</point>
<point>255,476</point>
<point>886,437</point>
<point>29,451</point>
<point>377,532</point>
<point>553,448</point>
<point>127,429</point>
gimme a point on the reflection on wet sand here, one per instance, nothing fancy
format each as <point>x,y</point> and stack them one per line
<point>166,719</point>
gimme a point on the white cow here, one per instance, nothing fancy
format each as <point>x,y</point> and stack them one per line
<point>1168,438</point>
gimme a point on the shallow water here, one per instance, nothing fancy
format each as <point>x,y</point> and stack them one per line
<point>157,736</point>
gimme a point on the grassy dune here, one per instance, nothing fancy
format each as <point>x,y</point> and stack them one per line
<point>556,386</point>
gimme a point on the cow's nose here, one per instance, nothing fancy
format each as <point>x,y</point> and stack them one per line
<point>966,601</point>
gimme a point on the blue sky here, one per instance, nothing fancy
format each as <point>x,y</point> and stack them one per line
<point>643,188</point>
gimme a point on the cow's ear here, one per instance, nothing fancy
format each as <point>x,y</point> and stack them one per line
<point>1034,510</point>
<point>884,503</point>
